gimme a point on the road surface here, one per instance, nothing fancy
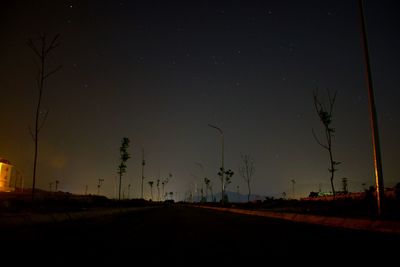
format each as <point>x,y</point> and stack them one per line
<point>190,236</point>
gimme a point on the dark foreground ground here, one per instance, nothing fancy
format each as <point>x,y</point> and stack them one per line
<point>186,236</point>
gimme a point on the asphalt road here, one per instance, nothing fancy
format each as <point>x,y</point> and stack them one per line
<point>189,236</point>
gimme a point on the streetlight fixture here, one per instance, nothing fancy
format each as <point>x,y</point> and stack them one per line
<point>222,159</point>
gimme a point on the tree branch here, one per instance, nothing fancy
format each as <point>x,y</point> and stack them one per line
<point>31,133</point>
<point>53,44</point>
<point>317,104</point>
<point>52,72</point>
<point>331,101</point>
<point>319,142</point>
<point>33,47</point>
<point>43,120</point>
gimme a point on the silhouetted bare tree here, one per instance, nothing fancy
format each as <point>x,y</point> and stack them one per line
<point>225,177</point>
<point>344,185</point>
<point>211,192</point>
<point>202,199</point>
<point>324,112</point>
<point>124,156</point>
<point>42,52</point>
<point>158,189</point>
<point>151,188</point>
<point>207,183</point>
<point>246,170</point>
<point>164,183</point>
<point>129,191</point>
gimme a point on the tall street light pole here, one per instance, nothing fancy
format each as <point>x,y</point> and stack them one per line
<point>222,160</point>
<point>372,109</point>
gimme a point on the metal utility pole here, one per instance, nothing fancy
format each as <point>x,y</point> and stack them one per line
<point>57,182</point>
<point>143,163</point>
<point>99,185</point>
<point>373,116</point>
<point>129,190</point>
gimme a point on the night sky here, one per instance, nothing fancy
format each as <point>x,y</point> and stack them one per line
<point>159,72</point>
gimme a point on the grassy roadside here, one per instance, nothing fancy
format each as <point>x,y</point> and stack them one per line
<point>346,207</point>
<point>45,202</point>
